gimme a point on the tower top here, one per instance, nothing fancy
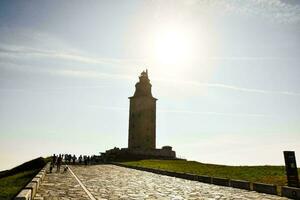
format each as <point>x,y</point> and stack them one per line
<point>143,87</point>
<point>144,74</point>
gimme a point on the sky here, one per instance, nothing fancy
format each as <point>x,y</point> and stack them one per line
<point>225,72</point>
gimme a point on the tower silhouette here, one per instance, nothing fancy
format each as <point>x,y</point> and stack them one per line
<point>142,116</point>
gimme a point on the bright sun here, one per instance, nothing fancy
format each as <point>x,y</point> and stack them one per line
<point>172,46</point>
<point>177,50</point>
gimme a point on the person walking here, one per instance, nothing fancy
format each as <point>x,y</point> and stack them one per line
<point>74,159</point>
<point>52,162</point>
<point>80,159</point>
<point>69,158</point>
<point>58,163</point>
<point>85,160</point>
<point>88,160</point>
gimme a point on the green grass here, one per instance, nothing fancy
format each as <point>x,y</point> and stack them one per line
<point>12,181</point>
<point>11,185</point>
<point>262,174</point>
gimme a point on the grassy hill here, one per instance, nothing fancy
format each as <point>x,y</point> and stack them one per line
<point>12,181</point>
<point>263,174</point>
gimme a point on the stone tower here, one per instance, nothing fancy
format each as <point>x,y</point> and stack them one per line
<point>142,116</point>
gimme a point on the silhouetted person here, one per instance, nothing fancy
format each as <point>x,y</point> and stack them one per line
<point>80,159</point>
<point>58,163</point>
<point>59,155</point>
<point>73,159</point>
<point>85,160</point>
<point>92,159</point>
<point>69,158</point>
<point>88,160</point>
<point>53,162</point>
<point>53,159</point>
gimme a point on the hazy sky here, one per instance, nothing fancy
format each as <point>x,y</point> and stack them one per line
<point>226,75</point>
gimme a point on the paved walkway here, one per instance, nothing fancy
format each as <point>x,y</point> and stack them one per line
<point>113,182</point>
<point>60,185</point>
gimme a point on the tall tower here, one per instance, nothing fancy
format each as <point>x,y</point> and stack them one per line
<point>142,116</point>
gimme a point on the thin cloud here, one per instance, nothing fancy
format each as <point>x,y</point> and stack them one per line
<point>74,56</point>
<point>10,50</point>
<point>273,10</point>
<point>230,87</point>
<point>241,89</point>
<point>107,107</point>
<point>57,89</point>
<point>215,113</point>
<point>247,58</point>
<point>102,75</point>
<point>118,108</point>
<point>93,74</point>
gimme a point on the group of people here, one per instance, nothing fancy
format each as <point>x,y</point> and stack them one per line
<point>80,160</point>
<point>57,160</point>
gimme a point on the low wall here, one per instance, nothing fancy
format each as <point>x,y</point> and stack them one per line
<point>29,191</point>
<point>220,181</point>
<point>152,152</point>
<point>290,192</point>
<point>204,179</point>
<point>240,184</point>
<point>25,194</point>
<point>191,177</point>
<point>265,188</point>
<point>293,193</point>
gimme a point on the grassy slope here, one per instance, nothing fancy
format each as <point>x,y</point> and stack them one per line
<point>12,181</point>
<point>11,185</point>
<point>263,174</point>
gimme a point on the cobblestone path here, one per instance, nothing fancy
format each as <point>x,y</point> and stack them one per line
<point>61,185</point>
<point>113,182</point>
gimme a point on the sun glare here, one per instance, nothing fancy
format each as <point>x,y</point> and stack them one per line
<point>172,46</point>
<point>179,50</point>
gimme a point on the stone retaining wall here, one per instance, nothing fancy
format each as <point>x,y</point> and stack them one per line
<point>220,181</point>
<point>289,192</point>
<point>29,191</point>
<point>204,179</point>
<point>265,188</point>
<point>240,184</point>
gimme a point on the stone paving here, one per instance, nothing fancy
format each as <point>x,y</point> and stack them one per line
<point>113,182</point>
<point>60,185</point>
